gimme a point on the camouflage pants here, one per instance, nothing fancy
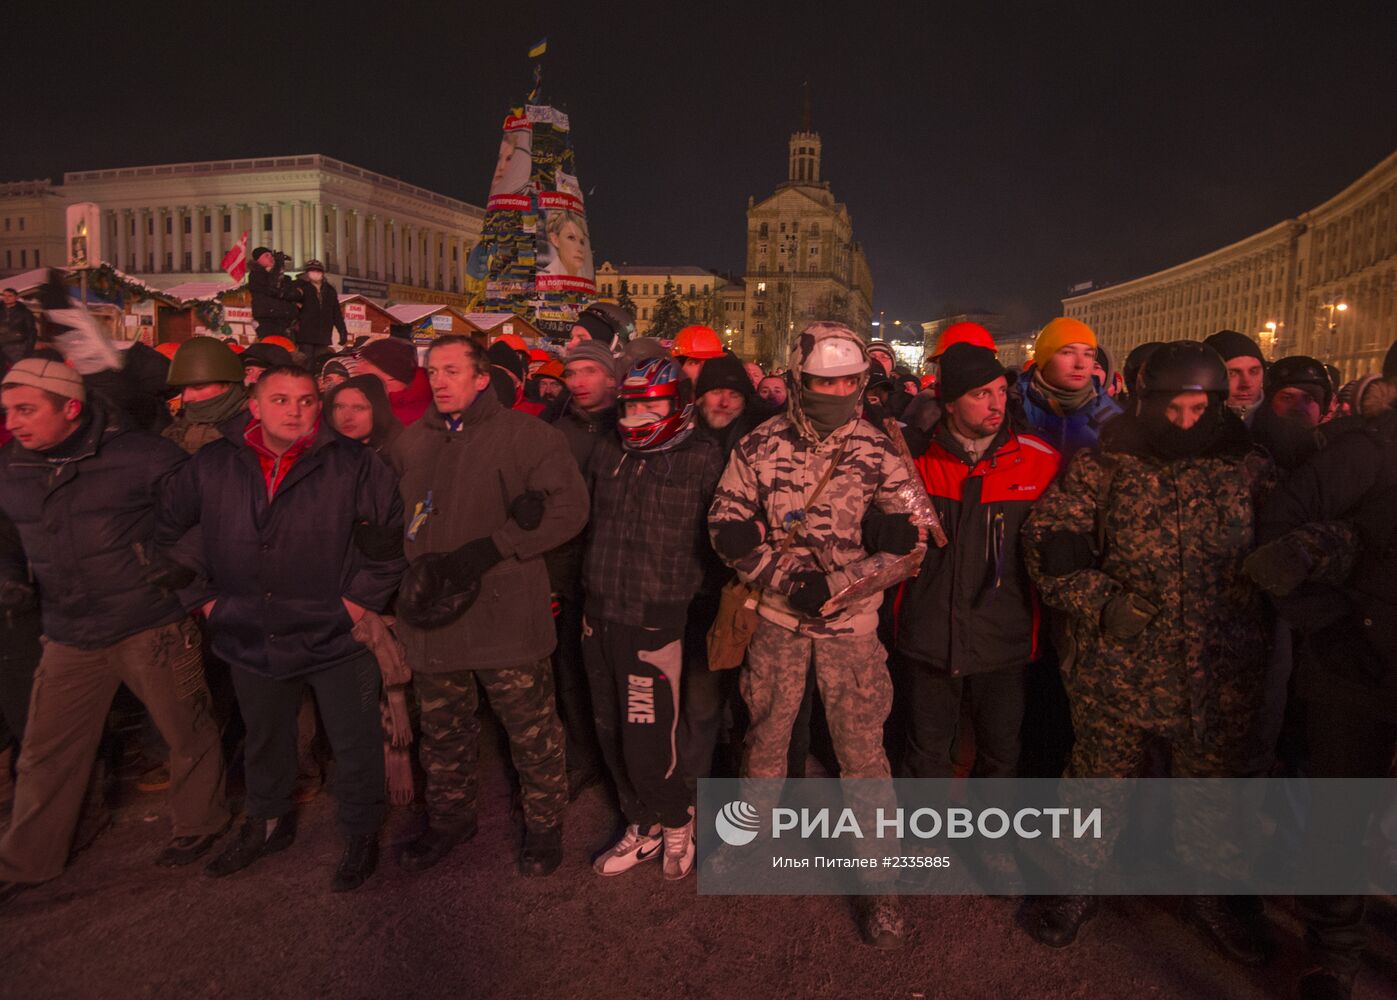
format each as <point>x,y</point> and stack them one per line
<point>855,687</point>
<point>1108,747</point>
<point>522,699</point>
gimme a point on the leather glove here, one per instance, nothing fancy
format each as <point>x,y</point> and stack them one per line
<point>428,598</point>
<point>166,574</point>
<point>527,509</point>
<point>16,597</point>
<point>379,542</point>
<point>1278,567</point>
<point>810,594</point>
<point>891,533</point>
<point>918,440</point>
<point>734,539</point>
<point>466,565</point>
<point>1126,615</point>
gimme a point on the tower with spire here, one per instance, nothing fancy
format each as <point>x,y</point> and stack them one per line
<point>805,147</point>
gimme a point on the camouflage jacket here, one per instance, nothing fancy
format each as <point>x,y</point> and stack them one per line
<point>1175,534</point>
<point>768,478</point>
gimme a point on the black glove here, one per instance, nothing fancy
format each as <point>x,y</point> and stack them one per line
<point>734,539</point>
<point>891,533</point>
<point>16,597</point>
<point>527,509</point>
<point>469,563</point>
<point>810,594</point>
<point>379,542</point>
<point>1278,567</point>
<point>428,598</point>
<point>166,574</point>
<point>1066,552</point>
<point>1126,615</point>
<point>918,440</point>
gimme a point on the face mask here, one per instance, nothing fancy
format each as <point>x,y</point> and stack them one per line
<point>641,419</point>
<point>1171,442</point>
<point>827,413</point>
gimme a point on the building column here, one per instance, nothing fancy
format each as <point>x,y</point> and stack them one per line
<point>397,252</point>
<point>157,216</point>
<point>381,257</point>
<point>123,238</point>
<point>317,232</point>
<point>359,244</point>
<point>298,219</point>
<point>337,231</point>
<point>425,270</point>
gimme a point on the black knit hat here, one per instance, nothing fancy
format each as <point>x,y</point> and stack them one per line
<point>724,372</point>
<point>506,357</point>
<point>965,367</point>
<point>1231,344</point>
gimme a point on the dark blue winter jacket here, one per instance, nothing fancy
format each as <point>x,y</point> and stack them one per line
<point>1068,433</point>
<point>278,569</point>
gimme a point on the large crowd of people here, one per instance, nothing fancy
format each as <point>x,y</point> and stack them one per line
<point>1181,567</point>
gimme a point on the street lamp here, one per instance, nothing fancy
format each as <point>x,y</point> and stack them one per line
<point>1268,338</point>
<point>1331,308</point>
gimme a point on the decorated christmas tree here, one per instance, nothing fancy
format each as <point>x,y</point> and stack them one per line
<point>535,253</point>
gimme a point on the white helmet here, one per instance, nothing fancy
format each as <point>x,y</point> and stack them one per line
<point>834,356</point>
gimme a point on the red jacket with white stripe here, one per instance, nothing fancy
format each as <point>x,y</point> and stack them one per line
<point>971,609</point>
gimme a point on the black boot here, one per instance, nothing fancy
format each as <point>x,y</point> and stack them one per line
<point>1055,920</point>
<point>542,853</point>
<point>434,844</point>
<point>1240,936</point>
<point>253,842</point>
<point>359,861</point>
<point>186,850</point>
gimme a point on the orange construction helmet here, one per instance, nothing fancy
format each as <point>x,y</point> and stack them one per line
<point>168,349</point>
<point>552,368</point>
<point>928,380</point>
<point>235,347</point>
<point>963,333</point>
<point>513,341</point>
<point>280,341</point>
<point>539,354</point>
<point>698,341</point>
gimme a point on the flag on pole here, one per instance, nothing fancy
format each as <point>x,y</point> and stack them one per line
<point>539,48</point>
<point>235,260</point>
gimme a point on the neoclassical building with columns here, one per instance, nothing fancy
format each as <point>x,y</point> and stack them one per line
<point>1323,284</point>
<point>172,223</point>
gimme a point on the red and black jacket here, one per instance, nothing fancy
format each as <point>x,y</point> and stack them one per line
<point>971,609</point>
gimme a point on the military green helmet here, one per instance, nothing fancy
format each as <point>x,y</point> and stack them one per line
<point>204,359</point>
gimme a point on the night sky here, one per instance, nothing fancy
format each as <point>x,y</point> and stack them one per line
<point>990,157</point>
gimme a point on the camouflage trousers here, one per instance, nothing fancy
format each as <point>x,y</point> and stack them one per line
<point>1108,747</point>
<point>854,685</point>
<point>522,700</point>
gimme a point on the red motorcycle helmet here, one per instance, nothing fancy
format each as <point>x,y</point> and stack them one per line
<point>655,378</point>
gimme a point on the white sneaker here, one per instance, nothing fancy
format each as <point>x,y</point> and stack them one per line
<point>679,851</point>
<point>632,849</point>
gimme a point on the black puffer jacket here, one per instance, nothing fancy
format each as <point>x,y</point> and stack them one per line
<point>18,333</point>
<point>1350,652</point>
<point>86,514</point>
<point>320,314</point>
<point>278,569</point>
<point>274,296</point>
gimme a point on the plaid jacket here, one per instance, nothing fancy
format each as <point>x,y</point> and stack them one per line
<point>648,536</point>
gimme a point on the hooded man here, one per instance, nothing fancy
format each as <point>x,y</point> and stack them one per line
<point>275,297</point>
<point>800,548</point>
<point>394,361</point>
<point>1246,371</point>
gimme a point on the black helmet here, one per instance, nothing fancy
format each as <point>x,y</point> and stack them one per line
<point>1183,366</point>
<point>622,323</point>
<point>313,265</point>
<point>1300,372</point>
<point>1136,359</point>
<point>204,359</point>
<point>264,355</point>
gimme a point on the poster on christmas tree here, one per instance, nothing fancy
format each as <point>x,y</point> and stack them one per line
<point>535,252</point>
